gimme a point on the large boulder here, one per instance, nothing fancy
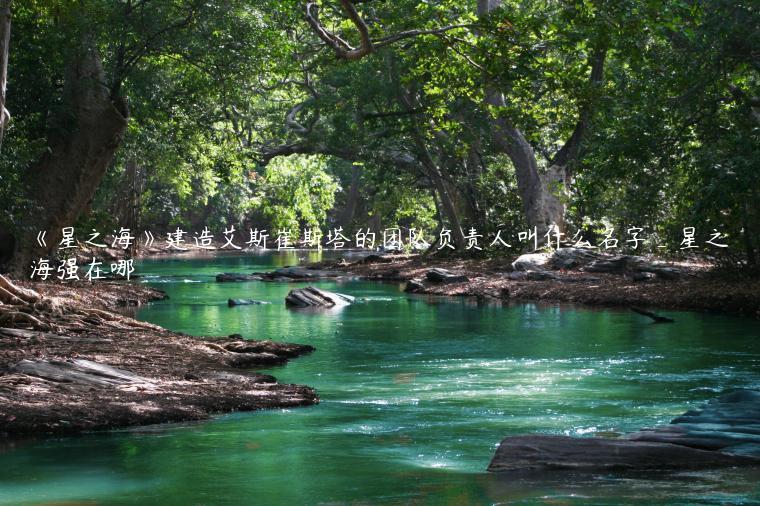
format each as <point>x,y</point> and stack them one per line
<point>723,432</point>
<point>531,262</point>
<point>592,261</point>
<point>730,424</point>
<point>314,297</point>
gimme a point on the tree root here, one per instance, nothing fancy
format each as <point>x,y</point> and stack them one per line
<point>14,317</point>
<point>9,289</point>
<point>22,308</point>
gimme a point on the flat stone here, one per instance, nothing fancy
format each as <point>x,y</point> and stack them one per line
<point>544,452</point>
<point>314,297</point>
<point>445,276</point>
<point>540,275</point>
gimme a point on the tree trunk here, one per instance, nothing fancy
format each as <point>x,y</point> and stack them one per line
<point>447,206</point>
<point>352,198</point>
<point>89,128</point>
<point>5,40</point>
<point>540,193</point>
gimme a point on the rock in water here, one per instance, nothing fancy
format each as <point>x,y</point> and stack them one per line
<point>445,276</point>
<point>413,286</point>
<point>227,277</point>
<point>729,424</point>
<point>244,302</point>
<point>723,432</point>
<point>297,274</point>
<point>520,453</point>
<point>314,297</point>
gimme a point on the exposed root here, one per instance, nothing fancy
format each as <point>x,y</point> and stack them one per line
<point>28,296</point>
<point>27,309</point>
<point>14,318</point>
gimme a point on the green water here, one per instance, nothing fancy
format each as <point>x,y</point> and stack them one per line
<point>415,395</point>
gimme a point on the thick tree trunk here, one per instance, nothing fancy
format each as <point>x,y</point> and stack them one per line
<point>541,194</point>
<point>89,128</point>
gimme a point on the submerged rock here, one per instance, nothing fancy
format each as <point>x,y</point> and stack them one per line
<point>227,277</point>
<point>298,274</point>
<point>245,302</point>
<point>314,297</point>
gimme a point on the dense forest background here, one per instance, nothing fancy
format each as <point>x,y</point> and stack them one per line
<point>490,114</point>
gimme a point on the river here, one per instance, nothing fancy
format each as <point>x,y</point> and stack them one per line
<point>416,393</point>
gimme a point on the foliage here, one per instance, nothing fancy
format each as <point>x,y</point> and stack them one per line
<point>240,114</point>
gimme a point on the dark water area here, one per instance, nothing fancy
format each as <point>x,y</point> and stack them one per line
<point>416,394</point>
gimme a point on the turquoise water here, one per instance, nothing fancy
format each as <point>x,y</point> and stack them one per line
<point>415,395</point>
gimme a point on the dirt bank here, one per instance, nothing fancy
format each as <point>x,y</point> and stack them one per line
<point>69,363</point>
<point>697,288</point>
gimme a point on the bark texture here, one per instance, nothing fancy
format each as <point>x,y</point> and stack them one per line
<point>81,144</point>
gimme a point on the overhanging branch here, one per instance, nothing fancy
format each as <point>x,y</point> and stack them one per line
<point>344,50</point>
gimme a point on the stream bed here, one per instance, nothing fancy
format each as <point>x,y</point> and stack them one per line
<point>416,394</point>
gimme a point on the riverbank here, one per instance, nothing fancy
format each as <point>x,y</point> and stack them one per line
<point>696,288</point>
<point>70,363</point>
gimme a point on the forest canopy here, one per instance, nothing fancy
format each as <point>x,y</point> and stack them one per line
<point>588,114</point>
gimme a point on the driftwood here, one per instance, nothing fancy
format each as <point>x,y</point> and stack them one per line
<point>21,308</point>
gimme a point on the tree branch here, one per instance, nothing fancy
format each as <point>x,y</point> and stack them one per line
<point>569,151</point>
<point>344,50</point>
